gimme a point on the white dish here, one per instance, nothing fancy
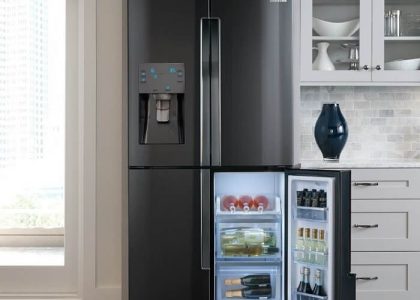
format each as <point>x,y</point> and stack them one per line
<point>334,29</point>
<point>404,64</point>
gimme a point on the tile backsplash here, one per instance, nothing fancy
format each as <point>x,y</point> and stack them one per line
<point>384,122</point>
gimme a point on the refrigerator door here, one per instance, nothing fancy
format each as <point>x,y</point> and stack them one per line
<point>248,241</point>
<point>164,236</point>
<point>256,82</point>
<point>164,32</point>
<point>319,235</point>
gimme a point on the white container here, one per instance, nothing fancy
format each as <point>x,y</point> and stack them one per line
<point>335,29</point>
<point>323,61</point>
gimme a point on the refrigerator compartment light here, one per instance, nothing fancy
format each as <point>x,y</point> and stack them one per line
<point>247,204</point>
<point>312,213</point>
<point>304,296</point>
<point>248,241</point>
<point>228,278</point>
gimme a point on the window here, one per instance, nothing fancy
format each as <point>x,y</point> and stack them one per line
<point>32,131</point>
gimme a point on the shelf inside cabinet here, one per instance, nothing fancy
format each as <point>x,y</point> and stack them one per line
<point>309,296</point>
<point>402,38</point>
<point>335,38</point>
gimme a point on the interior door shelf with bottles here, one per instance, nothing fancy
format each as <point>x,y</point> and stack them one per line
<point>263,217</point>
<point>360,41</point>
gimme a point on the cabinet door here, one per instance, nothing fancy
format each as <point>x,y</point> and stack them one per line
<point>385,225</point>
<point>329,31</point>
<point>396,45</point>
<point>386,275</point>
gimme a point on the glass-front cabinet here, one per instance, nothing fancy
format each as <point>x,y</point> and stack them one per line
<point>396,40</point>
<point>360,41</point>
<point>335,42</point>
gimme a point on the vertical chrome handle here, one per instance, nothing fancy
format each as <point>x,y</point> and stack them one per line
<point>205,82</point>
<point>215,93</point>
<point>205,219</point>
<point>210,92</point>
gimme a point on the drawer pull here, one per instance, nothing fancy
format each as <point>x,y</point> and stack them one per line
<point>366,226</point>
<point>366,184</point>
<point>367,278</point>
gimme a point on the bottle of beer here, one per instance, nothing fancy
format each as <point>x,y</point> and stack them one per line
<point>257,280</point>
<point>300,245</point>
<point>306,284</point>
<point>301,283</point>
<point>307,197</point>
<point>312,246</point>
<point>321,249</point>
<point>315,199</point>
<point>307,244</point>
<point>318,288</point>
<point>250,293</point>
<point>299,198</point>
<point>322,202</point>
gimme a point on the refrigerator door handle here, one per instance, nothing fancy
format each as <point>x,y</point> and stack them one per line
<point>205,219</point>
<point>205,86</point>
<point>215,93</point>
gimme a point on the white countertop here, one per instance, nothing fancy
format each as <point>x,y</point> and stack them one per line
<point>353,164</point>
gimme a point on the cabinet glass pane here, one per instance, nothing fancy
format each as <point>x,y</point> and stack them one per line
<point>402,35</point>
<point>335,35</point>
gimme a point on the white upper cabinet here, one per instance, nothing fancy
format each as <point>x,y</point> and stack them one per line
<point>365,41</point>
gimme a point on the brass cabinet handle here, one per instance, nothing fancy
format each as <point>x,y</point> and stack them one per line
<point>366,226</point>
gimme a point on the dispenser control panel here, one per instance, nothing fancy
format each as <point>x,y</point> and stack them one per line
<point>162,78</point>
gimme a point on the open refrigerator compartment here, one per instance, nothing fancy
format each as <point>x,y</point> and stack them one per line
<point>264,281</point>
<point>257,204</point>
<point>314,261</point>
<point>248,240</point>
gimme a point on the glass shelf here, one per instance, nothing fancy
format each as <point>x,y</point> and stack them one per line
<point>335,38</point>
<point>309,296</point>
<point>311,265</point>
<point>315,214</point>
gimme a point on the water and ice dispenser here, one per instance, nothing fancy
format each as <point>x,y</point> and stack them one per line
<point>161,89</point>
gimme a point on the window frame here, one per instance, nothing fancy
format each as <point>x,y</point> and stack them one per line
<point>59,282</point>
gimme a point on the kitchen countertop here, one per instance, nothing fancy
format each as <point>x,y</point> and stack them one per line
<point>353,164</point>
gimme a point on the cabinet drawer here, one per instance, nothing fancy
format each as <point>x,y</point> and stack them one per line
<point>385,184</point>
<point>395,275</point>
<point>385,225</point>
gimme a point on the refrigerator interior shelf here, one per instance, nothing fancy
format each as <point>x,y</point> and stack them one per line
<point>309,296</point>
<point>310,252</point>
<point>316,214</point>
<point>273,208</point>
<point>311,265</point>
<point>249,259</point>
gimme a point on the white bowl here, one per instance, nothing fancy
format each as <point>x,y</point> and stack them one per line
<point>403,64</point>
<point>333,29</point>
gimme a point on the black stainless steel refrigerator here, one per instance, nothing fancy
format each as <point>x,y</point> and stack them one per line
<point>213,196</point>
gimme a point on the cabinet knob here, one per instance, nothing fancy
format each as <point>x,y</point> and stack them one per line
<point>378,67</point>
<point>366,68</point>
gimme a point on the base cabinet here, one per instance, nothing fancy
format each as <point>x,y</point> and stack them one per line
<point>386,275</point>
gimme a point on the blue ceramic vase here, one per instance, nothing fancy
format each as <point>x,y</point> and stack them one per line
<point>331,131</point>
